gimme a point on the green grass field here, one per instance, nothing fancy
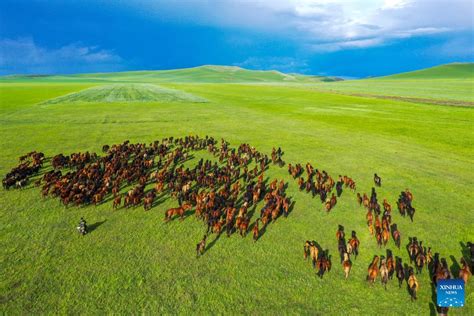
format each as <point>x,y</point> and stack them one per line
<point>451,84</point>
<point>134,263</point>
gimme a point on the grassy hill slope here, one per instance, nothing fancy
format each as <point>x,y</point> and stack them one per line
<point>203,74</point>
<point>451,84</point>
<point>448,71</point>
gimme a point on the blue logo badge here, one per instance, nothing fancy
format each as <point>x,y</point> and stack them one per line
<point>450,293</point>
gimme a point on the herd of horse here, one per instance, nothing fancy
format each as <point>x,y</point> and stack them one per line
<point>221,193</point>
<point>381,266</point>
<point>225,195</point>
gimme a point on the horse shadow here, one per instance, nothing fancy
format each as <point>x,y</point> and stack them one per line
<point>250,213</point>
<point>158,201</point>
<point>292,206</point>
<point>188,213</point>
<point>96,225</point>
<point>455,267</point>
<point>465,251</point>
<point>434,308</point>
<point>108,198</point>
<point>406,269</point>
<point>262,231</point>
<point>281,163</point>
<point>212,243</point>
<point>183,160</point>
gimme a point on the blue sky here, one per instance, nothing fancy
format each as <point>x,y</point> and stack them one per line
<point>354,38</point>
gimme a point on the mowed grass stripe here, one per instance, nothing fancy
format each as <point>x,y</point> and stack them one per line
<point>126,93</point>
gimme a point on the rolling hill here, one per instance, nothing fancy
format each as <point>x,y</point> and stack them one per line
<point>202,74</point>
<point>447,71</point>
<point>450,84</point>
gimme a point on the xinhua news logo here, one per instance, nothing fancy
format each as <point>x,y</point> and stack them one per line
<point>450,293</point>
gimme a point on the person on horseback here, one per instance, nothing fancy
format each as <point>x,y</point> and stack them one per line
<point>82,228</point>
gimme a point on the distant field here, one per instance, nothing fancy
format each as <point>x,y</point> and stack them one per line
<point>134,263</point>
<point>445,84</point>
<point>432,89</point>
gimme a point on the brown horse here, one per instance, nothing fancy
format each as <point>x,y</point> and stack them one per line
<point>412,284</point>
<point>386,206</point>
<point>373,270</point>
<point>255,231</point>
<point>390,264</point>
<point>420,262</point>
<point>365,200</point>
<point>340,233</point>
<point>413,249</point>
<point>378,236</point>
<point>314,253</point>
<point>396,235</point>
<point>217,227</point>
<point>465,272</point>
<point>385,236</point>
<point>354,244</point>
<point>244,226</point>
<point>286,206</point>
<point>307,244</point>
<point>201,246</point>
<point>346,265</point>
<point>384,273</point>
<point>378,224</point>
<point>327,205</point>
<point>148,200</point>
<point>177,211</point>
<point>117,201</point>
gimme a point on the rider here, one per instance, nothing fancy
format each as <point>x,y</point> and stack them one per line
<point>82,228</point>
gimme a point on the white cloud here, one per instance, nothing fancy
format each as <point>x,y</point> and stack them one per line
<point>395,4</point>
<point>351,44</point>
<point>338,24</point>
<point>23,55</point>
<point>283,64</point>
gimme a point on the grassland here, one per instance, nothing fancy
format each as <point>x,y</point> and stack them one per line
<point>451,84</point>
<point>133,262</point>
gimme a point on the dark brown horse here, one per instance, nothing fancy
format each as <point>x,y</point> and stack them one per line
<point>323,264</point>
<point>400,272</point>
